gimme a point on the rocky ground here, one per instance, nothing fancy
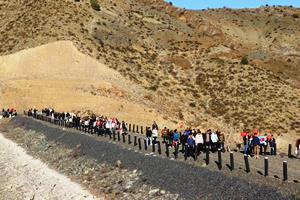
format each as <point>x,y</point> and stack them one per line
<point>120,172</point>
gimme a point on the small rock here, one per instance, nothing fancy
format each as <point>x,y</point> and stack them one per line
<point>118,164</point>
<point>151,192</point>
<point>162,192</point>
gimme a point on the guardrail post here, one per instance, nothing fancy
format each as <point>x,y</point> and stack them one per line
<point>153,147</point>
<point>231,161</point>
<point>129,139</point>
<point>290,151</point>
<point>133,128</point>
<point>140,144</point>
<point>167,149</point>
<point>137,129</point>
<point>285,171</point>
<point>207,156</point>
<point>266,166</point>
<point>114,136</point>
<point>247,163</point>
<point>135,140</point>
<point>158,147</point>
<point>145,143</point>
<point>124,140</point>
<point>176,150</point>
<point>129,127</point>
<point>219,159</point>
<point>119,137</point>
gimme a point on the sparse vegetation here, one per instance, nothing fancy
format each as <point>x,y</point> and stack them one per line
<point>244,60</point>
<point>95,5</point>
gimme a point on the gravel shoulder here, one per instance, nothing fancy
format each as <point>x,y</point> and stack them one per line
<point>23,177</point>
<point>189,181</point>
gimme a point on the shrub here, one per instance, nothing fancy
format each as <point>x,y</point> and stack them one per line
<point>245,60</point>
<point>95,5</point>
<point>295,15</point>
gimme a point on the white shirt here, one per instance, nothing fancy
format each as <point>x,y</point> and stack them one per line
<point>214,137</point>
<point>199,139</point>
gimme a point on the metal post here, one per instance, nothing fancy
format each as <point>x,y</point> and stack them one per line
<point>119,137</point>
<point>137,129</point>
<point>114,136</point>
<point>133,128</point>
<point>167,149</point>
<point>290,151</point>
<point>145,143</point>
<point>186,152</point>
<point>158,147</point>
<point>219,159</point>
<point>129,127</point>
<point>123,135</point>
<point>266,166</point>
<point>142,130</point>
<point>207,157</point>
<point>285,172</point>
<point>231,161</point>
<point>129,139</point>
<point>247,163</point>
<point>176,150</point>
<point>140,145</point>
<point>153,147</point>
<point>135,141</point>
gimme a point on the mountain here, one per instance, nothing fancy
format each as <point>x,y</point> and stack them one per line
<point>186,63</point>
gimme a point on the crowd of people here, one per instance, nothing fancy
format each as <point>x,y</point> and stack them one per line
<point>254,144</point>
<point>192,141</point>
<point>99,124</point>
<point>8,113</point>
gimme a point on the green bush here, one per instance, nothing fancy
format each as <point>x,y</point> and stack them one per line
<point>95,5</point>
<point>245,60</point>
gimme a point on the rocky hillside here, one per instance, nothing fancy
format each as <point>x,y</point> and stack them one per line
<point>189,61</point>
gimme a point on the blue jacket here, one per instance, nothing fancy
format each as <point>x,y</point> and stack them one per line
<point>176,136</point>
<point>190,142</point>
<point>255,141</point>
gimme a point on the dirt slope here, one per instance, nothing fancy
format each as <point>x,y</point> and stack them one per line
<point>187,62</point>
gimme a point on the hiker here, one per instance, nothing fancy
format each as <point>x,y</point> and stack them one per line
<point>175,138</point>
<point>154,135</point>
<point>221,141</point>
<point>148,135</point>
<point>154,126</point>
<point>199,142</point>
<point>190,146</point>
<point>256,144</point>
<point>207,139</point>
<point>297,151</point>
<point>214,141</point>
<point>165,134</point>
<point>272,143</point>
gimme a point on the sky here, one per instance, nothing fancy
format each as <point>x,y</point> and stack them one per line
<point>203,4</point>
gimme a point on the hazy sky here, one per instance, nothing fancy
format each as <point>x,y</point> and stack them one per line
<point>199,4</point>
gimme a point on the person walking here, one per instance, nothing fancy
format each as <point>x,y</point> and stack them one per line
<point>148,136</point>
<point>154,136</point>
<point>199,142</point>
<point>214,141</point>
<point>256,144</point>
<point>190,146</point>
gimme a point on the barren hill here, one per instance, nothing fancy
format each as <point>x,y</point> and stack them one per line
<point>186,63</point>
